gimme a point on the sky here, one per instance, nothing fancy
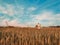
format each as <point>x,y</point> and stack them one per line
<point>29,12</point>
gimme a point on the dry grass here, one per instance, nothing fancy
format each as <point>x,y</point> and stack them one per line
<point>29,36</point>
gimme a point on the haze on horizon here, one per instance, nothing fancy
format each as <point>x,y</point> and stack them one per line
<point>29,12</point>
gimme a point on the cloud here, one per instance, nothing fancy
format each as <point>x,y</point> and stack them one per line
<point>11,10</point>
<point>31,8</point>
<point>3,10</point>
<point>14,23</point>
<point>7,10</point>
<point>46,18</point>
<point>3,22</point>
<point>44,15</point>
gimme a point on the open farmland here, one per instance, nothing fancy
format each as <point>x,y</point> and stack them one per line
<point>29,36</point>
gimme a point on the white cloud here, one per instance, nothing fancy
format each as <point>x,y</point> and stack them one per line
<point>3,22</point>
<point>3,10</point>
<point>31,8</point>
<point>14,23</point>
<point>19,11</point>
<point>12,10</point>
<point>6,10</point>
<point>46,15</point>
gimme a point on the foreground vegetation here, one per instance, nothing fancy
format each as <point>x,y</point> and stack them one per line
<point>29,36</point>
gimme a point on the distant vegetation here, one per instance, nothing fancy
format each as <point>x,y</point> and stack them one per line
<point>29,36</point>
<point>55,26</point>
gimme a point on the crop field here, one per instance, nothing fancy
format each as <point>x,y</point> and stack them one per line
<point>29,36</point>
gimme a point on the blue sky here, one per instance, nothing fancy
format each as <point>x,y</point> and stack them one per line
<point>29,12</point>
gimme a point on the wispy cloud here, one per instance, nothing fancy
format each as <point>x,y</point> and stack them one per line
<point>3,10</point>
<point>29,12</point>
<point>31,8</point>
<point>10,9</point>
<point>14,23</point>
<point>46,18</point>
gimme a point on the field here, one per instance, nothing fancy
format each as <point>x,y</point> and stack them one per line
<point>29,36</point>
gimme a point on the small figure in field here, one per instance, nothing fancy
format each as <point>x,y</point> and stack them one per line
<point>38,26</point>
